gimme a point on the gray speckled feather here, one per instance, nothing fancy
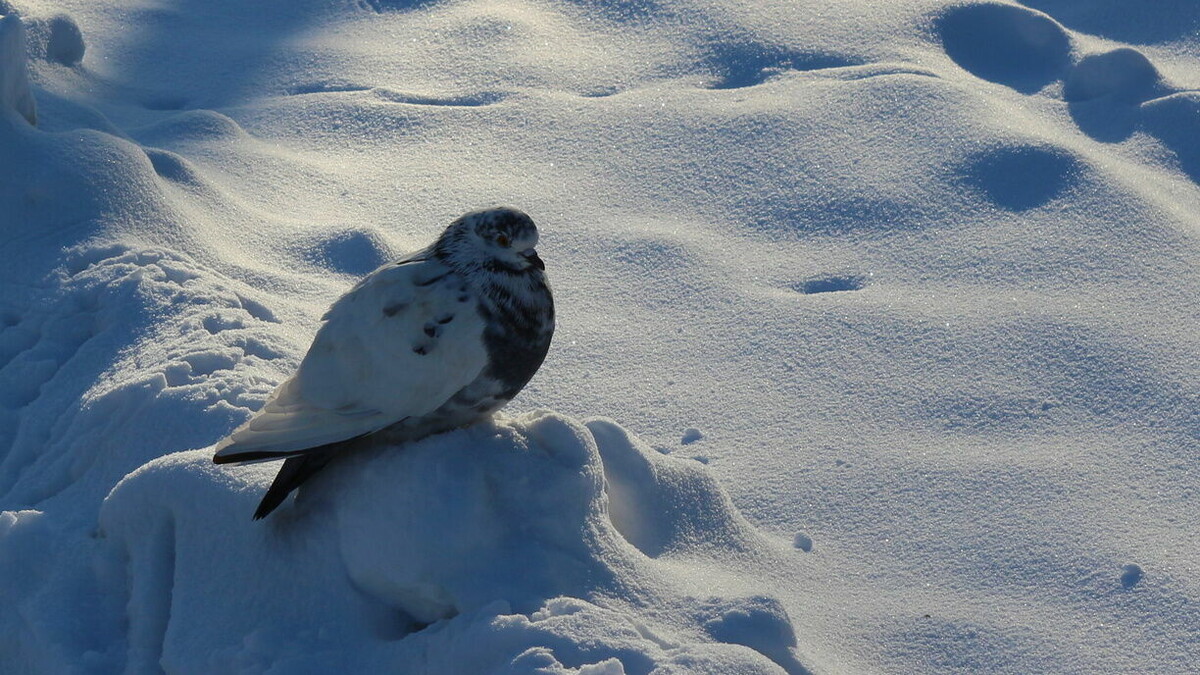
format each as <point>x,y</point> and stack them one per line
<point>434,341</point>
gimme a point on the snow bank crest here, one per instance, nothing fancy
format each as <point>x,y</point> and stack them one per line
<point>15,94</point>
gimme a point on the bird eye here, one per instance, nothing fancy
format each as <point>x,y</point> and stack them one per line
<point>502,239</point>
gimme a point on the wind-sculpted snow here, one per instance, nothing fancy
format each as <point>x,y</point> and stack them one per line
<point>507,536</point>
<point>15,95</point>
<point>75,376</point>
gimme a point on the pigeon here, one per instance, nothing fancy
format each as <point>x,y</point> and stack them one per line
<point>435,341</point>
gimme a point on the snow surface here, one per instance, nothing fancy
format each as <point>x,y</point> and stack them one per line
<point>876,346</point>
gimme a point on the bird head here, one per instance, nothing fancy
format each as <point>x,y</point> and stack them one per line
<point>499,239</point>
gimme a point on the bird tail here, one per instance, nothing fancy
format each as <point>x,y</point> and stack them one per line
<point>295,470</point>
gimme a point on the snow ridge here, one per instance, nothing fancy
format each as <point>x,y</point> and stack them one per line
<point>15,94</point>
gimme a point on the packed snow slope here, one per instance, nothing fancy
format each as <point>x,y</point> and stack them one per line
<point>877,345</point>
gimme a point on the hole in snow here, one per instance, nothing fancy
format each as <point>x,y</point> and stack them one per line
<point>831,284</point>
<point>803,542</point>
<point>65,44</point>
<point>1131,575</point>
<point>352,252</point>
<point>740,64</point>
<point>1007,44</point>
<point>1022,177</point>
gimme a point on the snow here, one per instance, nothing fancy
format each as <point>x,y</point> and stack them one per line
<point>491,536</point>
<point>15,95</point>
<point>876,346</point>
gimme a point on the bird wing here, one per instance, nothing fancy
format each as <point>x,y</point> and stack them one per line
<point>399,344</point>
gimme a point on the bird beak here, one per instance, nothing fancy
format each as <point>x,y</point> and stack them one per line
<point>532,256</point>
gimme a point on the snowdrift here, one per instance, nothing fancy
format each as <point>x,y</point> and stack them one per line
<point>473,551</point>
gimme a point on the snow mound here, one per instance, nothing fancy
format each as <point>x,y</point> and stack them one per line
<point>536,540</point>
<point>1124,74</point>
<point>1173,119</point>
<point>15,95</point>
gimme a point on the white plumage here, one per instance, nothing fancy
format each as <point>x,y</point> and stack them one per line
<point>429,343</point>
<point>362,374</point>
